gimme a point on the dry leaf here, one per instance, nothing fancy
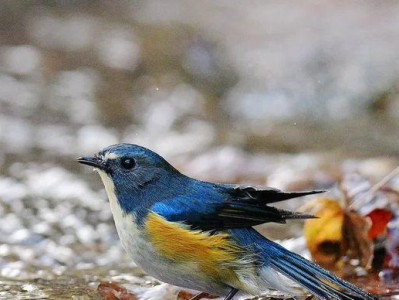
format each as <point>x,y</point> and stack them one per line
<point>379,220</point>
<point>113,291</point>
<point>324,234</point>
<point>337,233</point>
<point>356,243</point>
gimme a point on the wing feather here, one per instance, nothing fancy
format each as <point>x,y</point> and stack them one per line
<point>221,207</point>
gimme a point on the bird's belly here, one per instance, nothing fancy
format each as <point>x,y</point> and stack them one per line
<point>184,274</point>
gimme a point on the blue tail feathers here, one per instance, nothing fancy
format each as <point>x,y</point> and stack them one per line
<point>310,276</point>
<point>318,281</point>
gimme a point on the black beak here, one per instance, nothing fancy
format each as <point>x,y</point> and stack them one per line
<point>93,161</point>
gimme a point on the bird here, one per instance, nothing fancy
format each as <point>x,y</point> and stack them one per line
<point>199,235</point>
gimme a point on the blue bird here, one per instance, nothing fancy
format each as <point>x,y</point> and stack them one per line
<point>199,235</point>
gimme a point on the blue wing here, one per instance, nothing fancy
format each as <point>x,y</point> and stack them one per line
<point>210,206</point>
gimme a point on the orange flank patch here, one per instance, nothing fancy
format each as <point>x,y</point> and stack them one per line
<point>216,255</point>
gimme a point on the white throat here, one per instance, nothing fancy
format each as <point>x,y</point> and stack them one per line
<point>113,200</point>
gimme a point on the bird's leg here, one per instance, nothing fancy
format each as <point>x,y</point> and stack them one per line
<point>231,294</point>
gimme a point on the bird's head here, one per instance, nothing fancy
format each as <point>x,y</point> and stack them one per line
<point>126,169</point>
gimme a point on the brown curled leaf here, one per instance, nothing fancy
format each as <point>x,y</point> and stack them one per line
<point>113,291</point>
<point>356,242</point>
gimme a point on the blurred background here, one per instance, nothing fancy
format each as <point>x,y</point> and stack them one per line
<point>286,94</point>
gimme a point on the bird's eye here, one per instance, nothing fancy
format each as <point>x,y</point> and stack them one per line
<point>128,163</point>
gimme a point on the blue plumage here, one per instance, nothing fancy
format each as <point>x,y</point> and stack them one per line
<point>312,277</point>
<point>139,182</point>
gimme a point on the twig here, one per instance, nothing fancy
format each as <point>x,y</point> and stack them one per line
<point>378,185</point>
